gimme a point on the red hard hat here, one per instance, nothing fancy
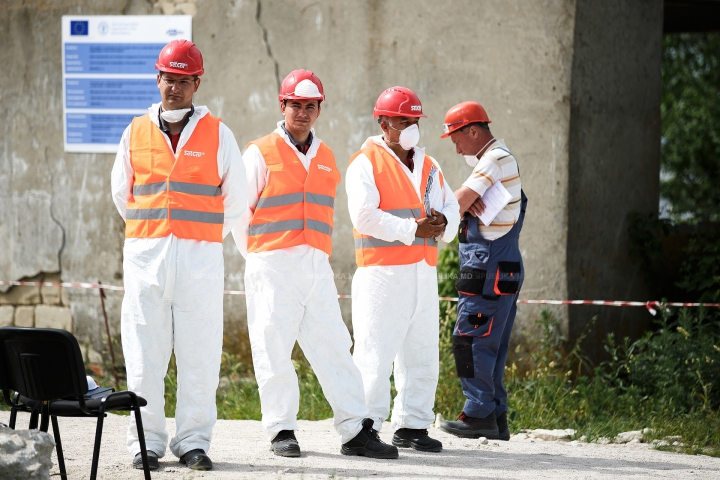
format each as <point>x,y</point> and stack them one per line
<point>301,85</point>
<point>180,56</point>
<point>463,114</point>
<point>398,102</point>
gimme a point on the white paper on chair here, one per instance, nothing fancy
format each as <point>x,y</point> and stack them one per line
<point>495,199</point>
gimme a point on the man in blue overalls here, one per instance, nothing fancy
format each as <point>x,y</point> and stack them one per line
<point>491,274</point>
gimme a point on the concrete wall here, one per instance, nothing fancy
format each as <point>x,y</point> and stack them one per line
<point>614,158</point>
<point>515,57</point>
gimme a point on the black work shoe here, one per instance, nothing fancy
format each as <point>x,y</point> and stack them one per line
<point>503,429</point>
<point>196,460</point>
<point>152,457</point>
<point>367,443</point>
<point>416,439</point>
<point>472,427</point>
<point>285,444</point>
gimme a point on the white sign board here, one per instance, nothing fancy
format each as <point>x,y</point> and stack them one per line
<point>109,74</point>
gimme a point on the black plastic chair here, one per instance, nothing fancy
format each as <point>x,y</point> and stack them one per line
<point>45,369</point>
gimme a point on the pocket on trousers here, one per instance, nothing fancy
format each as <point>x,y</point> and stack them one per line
<point>507,278</point>
<point>471,281</point>
<point>474,255</point>
<point>477,321</point>
<point>462,350</point>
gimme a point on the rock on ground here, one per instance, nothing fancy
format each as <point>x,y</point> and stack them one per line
<point>627,437</point>
<point>240,450</point>
<point>25,454</point>
<point>552,435</point>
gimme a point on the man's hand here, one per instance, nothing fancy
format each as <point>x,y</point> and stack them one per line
<point>437,218</point>
<point>477,207</point>
<point>431,227</point>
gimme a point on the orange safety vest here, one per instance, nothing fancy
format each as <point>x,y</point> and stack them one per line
<point>296,207</point>
<point>175,194</point>
<point>399,198</point>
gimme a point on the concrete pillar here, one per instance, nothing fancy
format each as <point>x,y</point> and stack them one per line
<point>614,158</point>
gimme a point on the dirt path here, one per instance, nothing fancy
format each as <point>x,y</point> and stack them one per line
<point>240,450</point>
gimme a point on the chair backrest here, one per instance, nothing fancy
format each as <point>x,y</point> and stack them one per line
<point>41,363</point>
<point>3,374</point>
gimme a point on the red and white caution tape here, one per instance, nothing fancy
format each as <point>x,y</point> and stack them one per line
<point>651,305</point>
<point>94,286</point>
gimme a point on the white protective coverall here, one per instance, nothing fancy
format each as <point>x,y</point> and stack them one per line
<point>395,309</point>
<point>291,295</point>
<point>174,301</point>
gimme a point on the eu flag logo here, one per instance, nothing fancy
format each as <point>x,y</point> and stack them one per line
<point>78,27</point>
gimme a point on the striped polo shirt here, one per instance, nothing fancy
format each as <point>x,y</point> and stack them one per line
<point>497,164</point>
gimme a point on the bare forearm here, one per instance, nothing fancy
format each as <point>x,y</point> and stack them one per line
<point>465,197</point>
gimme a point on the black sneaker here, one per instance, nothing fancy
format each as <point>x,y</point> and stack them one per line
<point>416,439</point>
<point>503,429</point>
<point>367,443</point>
<point>153,461</point>
<point>472,427</point>
<point>285,444</point>
<point>196,460</point>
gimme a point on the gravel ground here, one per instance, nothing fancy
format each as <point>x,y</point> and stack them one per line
<point>240,450</point>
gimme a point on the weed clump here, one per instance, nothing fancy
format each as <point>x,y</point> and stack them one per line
<point>668,381</point>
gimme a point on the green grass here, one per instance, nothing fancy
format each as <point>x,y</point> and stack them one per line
<point>645,384</point>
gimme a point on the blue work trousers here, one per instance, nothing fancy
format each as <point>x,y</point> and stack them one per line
<point>491,275</point>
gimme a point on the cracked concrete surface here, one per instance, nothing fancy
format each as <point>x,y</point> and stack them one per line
<point>266,42</point>
<point>52,215</point>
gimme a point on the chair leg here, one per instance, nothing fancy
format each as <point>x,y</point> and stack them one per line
<point>141,439</point>
<point>96,451</point>
<point>13,418</point>
<point>58,443</point>
<point>34,415</point>
<point>44,417</point>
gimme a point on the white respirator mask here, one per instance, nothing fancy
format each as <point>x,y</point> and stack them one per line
<point>409,137</point>
<point>472,160</point>
<point>174,116</point>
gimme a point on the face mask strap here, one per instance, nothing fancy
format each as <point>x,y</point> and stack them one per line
<point>483,148</point>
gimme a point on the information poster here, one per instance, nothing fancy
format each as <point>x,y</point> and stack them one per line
<point>109,74</point>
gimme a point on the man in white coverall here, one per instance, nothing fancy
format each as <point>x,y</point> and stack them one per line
<point>286,239</point>
<point>179,184</point>
<point>399,205</point>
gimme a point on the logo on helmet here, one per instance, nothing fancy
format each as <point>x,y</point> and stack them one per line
<point>178,65</point>
<point>416,108</point>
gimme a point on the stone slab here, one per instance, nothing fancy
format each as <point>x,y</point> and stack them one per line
<point>7,314</point>
<point>21,295</point>
<point>47,316</point>
<point>25,316</point>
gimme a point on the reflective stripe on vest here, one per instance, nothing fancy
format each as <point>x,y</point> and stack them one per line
<point>175,194</point>
<point>296,206</point>
<point>399,198</point>
<point>372,242</point>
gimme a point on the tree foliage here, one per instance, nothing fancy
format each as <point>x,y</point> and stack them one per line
<point>691,126</point>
